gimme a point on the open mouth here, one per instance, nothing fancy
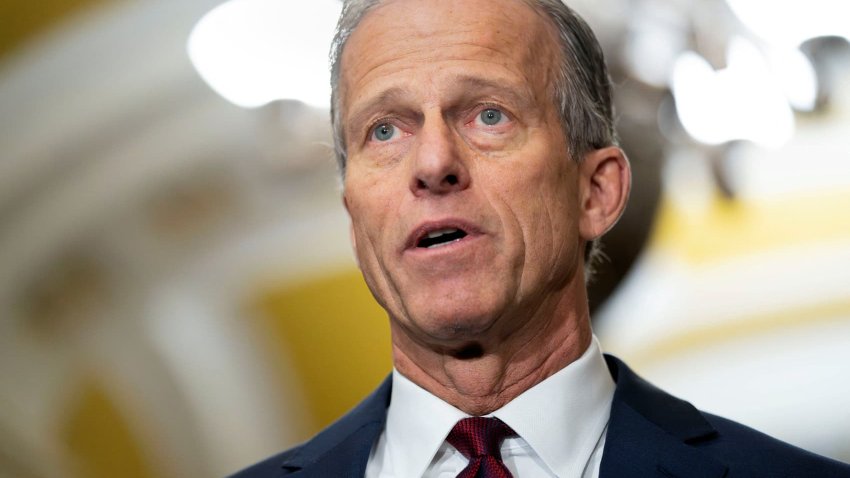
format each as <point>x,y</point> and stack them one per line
<point>440,237</point>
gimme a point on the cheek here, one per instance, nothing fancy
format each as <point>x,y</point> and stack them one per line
<point>366,223</point>
<point>541,205</point>
<point>371,210</point>
<point>537,186</point>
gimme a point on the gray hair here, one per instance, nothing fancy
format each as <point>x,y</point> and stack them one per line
<point>582,87</point>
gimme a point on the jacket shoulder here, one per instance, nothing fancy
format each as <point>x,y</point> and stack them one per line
<point>742,447</point>
<point>651,430</point>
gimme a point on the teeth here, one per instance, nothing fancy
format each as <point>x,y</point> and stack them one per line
<point>441,237</point>
<point>432,235</point>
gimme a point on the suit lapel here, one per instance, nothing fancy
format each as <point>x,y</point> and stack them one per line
<point>651,433</point>
<point>342,450</point>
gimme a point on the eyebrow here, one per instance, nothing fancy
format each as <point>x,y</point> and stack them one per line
<point>396,95</point>
<point>362,113</point>
<point>475,83</point>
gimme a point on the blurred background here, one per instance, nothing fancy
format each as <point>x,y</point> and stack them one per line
<point>177,292</point>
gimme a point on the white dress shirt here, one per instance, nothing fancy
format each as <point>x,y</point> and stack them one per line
<point>560,423</point>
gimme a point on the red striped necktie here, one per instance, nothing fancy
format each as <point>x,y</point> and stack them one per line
<point>479,439</point>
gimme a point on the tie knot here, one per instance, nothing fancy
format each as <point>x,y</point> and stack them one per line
<point>479,436</point>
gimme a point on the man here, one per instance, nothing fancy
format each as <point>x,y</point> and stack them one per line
<point>479,162</point>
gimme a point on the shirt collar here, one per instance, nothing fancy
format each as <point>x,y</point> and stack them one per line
<point>417,424</point>
<point>562,418</point>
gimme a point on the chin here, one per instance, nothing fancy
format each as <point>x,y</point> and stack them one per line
<point>456,325</point>
<point>450,313</point>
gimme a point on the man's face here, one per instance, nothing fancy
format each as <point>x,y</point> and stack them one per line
<point>463,200</point>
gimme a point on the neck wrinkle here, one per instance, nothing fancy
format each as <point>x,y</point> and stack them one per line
<point>506,370</point>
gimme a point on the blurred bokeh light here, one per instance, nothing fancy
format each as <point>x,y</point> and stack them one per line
<point>253,52</point>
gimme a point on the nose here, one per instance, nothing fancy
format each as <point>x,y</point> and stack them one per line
<point>438,167</point>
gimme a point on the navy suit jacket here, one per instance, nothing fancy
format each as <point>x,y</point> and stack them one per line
<point>650,434</point>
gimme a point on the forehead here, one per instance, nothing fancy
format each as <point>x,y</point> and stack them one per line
<point>401,36</point>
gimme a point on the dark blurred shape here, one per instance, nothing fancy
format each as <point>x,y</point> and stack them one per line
<point>830,57</point>
<point>636,106</point>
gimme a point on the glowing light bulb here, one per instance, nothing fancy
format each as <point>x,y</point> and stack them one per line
<point>253,52</point>
<point>742,101</point>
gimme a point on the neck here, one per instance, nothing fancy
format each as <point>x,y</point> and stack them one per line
<point>503,368</point>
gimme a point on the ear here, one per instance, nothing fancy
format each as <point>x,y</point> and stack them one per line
<point>352,235</point>
<point>605,181</point>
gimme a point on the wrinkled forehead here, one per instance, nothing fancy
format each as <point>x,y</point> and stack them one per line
<point>409,33</point>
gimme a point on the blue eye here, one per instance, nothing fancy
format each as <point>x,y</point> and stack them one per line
<point>383,132</point>
<point>491,116</point>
